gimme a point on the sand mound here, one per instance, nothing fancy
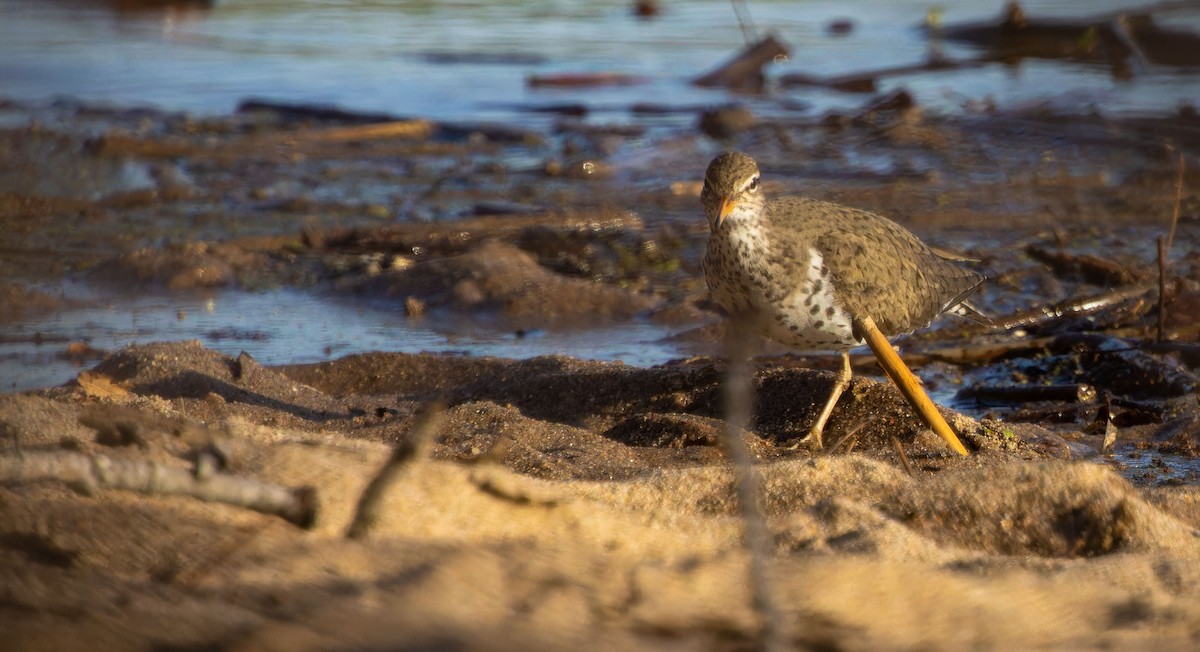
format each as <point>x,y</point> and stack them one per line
<point>556,522</point>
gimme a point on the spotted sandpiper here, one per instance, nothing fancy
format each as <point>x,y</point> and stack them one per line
<point>816,275</point>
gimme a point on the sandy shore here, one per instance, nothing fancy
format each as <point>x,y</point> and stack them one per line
<point>544,526</point>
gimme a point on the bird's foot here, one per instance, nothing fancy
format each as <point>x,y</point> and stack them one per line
<point>812,441</point>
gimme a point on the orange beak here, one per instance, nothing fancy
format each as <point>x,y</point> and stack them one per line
<point>727,206</point>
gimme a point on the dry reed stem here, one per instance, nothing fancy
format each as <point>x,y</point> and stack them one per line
<point>907,383</point>
<point>756,537</point>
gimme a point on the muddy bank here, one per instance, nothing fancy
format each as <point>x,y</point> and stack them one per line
<point>563,501</point>
<point>470,232</point>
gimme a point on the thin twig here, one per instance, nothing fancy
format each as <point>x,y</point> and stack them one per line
<point>900,452</point>
<point>413,448</point>
<point>1162,288</point>
<point>1178,199</point>
<point>89,473</point>
<point>850,433</point>
<point>756,537</point>
<point>1119,26</point>
<point>749,31</point>
<point>1164,249</point>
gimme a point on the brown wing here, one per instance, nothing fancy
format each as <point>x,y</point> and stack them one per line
<point>879,268</point>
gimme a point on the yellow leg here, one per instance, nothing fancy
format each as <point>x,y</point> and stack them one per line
<point>815,436</point>
<point>906,382</point>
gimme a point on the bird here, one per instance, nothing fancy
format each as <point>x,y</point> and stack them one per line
<point>816,275</point>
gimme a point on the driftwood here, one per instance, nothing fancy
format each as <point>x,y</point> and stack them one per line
<point>88,474</point>
<point>982,353</point>
<point>583,80</point>
<point>296,112</point>
<point>988,351</point>
<point>745,70</point>
<point>175,147</point>
<point>1116,38</point>
<point>1092,269</point>
<point>1016,394</point>
<point>416,129</point>
<point>414,448</point>
<point>1076,307</point>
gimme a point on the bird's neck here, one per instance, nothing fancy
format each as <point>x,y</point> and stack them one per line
<point>746,220</point>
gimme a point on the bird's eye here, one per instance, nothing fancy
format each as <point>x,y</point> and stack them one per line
<point>753,184</point>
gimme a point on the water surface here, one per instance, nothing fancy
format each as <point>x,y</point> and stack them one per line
<point>470,60</point>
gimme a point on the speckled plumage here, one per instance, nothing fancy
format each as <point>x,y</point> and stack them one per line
<point>800,271</point>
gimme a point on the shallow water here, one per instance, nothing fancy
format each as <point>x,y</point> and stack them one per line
<point>292,326</point>
<point>1152,467</point>
<point>470,60</point>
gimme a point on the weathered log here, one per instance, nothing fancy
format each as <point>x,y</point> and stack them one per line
<point>745,70</point>
<point>1017,394</point>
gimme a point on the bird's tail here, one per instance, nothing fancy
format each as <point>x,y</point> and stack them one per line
<point>973,314</point>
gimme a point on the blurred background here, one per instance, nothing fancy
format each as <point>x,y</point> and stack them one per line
<point>471,60</point>
<point>115,112</point>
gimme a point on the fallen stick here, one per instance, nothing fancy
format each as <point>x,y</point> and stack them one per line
<point>1092,269</point>
<point>1162,290</point>
<point>1180,168</point>
<point>1014,394</point>
<point>417,129</point>
<point>177,147</point>
<point>414,448</point>
<point>1080,306</point>
<point>88,474</point>
<point>745,70</point>
<point>906,382</point>
<point>982,353</point>
<point>583,80</point>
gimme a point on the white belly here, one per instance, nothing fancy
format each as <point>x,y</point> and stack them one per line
<point>804,314</point>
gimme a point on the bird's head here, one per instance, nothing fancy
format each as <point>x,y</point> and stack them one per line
<point>730,181</point>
